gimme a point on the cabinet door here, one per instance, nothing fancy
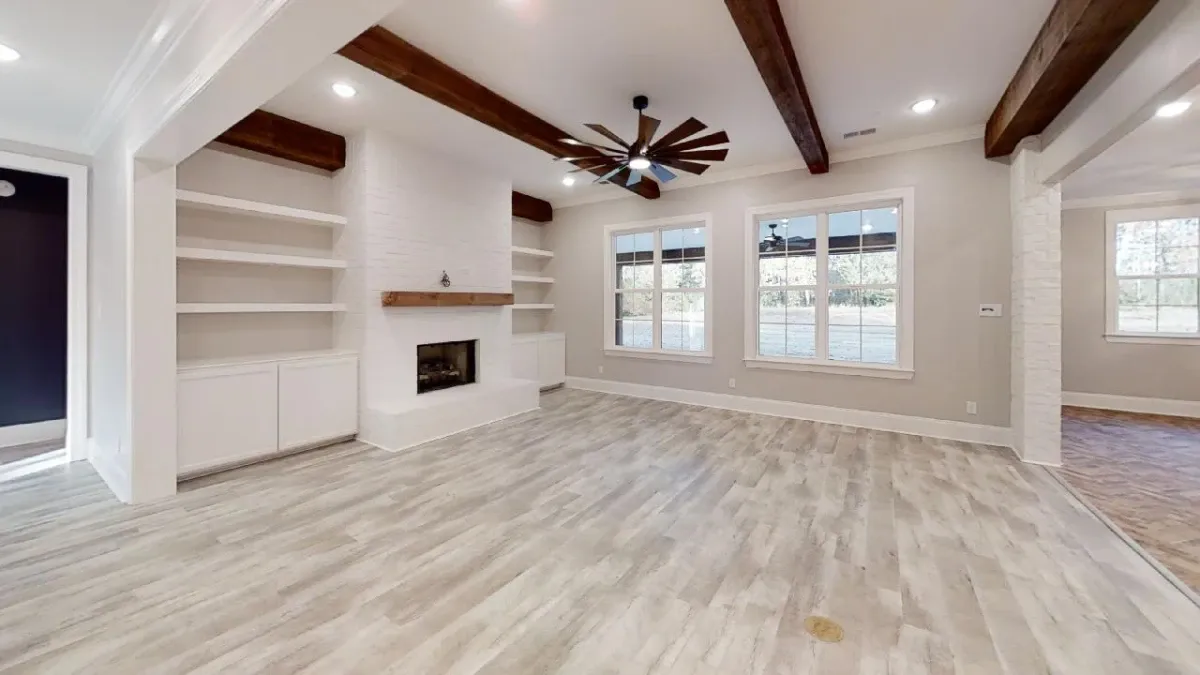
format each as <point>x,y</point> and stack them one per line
<point>525,359</point>
<point>318,400</point>
<point>226,415</point>
<point>552,361</point>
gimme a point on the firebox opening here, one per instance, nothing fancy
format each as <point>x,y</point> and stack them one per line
<point>445,364</point>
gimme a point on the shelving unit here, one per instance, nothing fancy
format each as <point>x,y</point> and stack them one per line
<point>251,258</point>
<point>206,202</point>
<point>529,305</point>
<point>530,279</point>
<point>255,307</point>
<point>533,252</point>
<point>537,353</point>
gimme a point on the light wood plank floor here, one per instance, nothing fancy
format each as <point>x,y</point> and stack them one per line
<point>1143,472</point>
<point>601,534</point>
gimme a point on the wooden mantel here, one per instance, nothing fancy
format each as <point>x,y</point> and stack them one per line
<point>445,299</point>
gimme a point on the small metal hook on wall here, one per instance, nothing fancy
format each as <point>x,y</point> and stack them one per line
<point>445,279</point>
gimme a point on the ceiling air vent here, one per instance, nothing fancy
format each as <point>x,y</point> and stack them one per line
<point>860,132</point>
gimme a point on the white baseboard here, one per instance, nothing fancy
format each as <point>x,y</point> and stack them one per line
<point>107,464</point>
<point>1136,404</point>
<point>36,432</point>
<point>920,426</point>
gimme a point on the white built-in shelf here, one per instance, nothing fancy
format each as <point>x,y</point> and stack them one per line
<point>531,279</point>
<point>206,202</point>
<point>535,252</point>
<point>185,364</point>
<point>218,255</point>
<point>533,306</point>
<point>254,307</point>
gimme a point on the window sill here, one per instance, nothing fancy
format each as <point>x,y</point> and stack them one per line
<point>885,372</point>
<point>1153,339</point>
<point>686,357</point>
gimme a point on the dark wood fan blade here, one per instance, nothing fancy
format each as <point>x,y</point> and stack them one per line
<point>701,155</point>
<point>662,173</point>
<point>603,131</point>
<point>587,156</point>
<point>690,167</point>
<point>702,142</point>
<point>593,167</point>
<point>690,127</point>
<point>584,147</point>
<point>647,126</point>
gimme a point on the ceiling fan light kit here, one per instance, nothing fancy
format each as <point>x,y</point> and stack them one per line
<point>628,163</point>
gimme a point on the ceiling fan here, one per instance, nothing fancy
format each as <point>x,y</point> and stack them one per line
<point>772,241</point>
<point>672,151</point>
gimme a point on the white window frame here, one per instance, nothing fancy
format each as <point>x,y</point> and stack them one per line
<point>1111,296</point>
<point>905,244</point>
<point>610,290</point>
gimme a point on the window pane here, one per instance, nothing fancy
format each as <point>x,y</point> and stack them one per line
<point>772,318</point>
<point>1177,311</point>
<point>1135,248</point>
<point>772,339</point>
<point>1178,232</point>
<point>630,275</point>
<point>1137,301</point>
<point>879,267</point>
<point>635,319</point>
<point>772,270</point>
<point>1178,260</point>
<point>845,268</point>
<point>801,327</point>
<point>802,269</point>
<point>644,246</point>
<point>879,326</point>
<point>845,325</point>
<point>845,230</point>
<point>683,244</point>
<point>772,307</point>
<point>695,240</point>
<point>683,321</point>
<point>683,275</point>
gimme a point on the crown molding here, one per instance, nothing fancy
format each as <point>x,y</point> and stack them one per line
<point>722,176</point>
<point>1140,199</point>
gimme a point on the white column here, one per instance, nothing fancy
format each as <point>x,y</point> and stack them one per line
<point>1036,310</point>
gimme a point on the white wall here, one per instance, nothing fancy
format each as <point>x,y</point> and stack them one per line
<point>962,260</point>
<point>1091,364</point>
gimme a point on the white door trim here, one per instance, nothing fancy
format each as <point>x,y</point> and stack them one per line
<point>77,289</point>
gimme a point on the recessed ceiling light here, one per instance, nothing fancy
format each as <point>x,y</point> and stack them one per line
<point>923,106</point>
<point>568,180</point>
<point>639,164</point>
<point>1174,109</point>
<point>344,90</point>
<point>8,53</point>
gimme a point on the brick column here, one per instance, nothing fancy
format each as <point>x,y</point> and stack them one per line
<point>1036,311</point>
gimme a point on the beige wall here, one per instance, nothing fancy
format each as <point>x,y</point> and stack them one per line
<point>1093,365</point>
<point>962,259</point>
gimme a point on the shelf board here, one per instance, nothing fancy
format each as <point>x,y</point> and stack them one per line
<point>206,202</point>
<point>254,307</point>
<point>533,306</point>
<point>217,255</point>
<point>535,252</point>
<point>186,364</point>
<point>444,299</point>
<point>530,279</point>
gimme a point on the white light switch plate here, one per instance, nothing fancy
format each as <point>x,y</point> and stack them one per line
<point>992,310</point>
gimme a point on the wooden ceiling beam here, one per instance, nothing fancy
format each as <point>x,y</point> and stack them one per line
<point>531,208</point>
<point>386,53</point>
<point>761,24</point>
<point>277,136</point>
<point>1076,39</point>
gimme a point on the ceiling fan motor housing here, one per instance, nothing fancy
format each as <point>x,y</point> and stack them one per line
<point>641,102</point>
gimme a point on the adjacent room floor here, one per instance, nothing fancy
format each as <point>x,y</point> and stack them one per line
<point>1143,472</point>
<point>602,534</point>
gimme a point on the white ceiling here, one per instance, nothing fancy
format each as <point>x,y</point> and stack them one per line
<point>1162,155</point>
<point>70,52</point>
<point>865,62</point>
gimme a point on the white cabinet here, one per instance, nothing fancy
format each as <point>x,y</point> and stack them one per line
<point>541,357</point>
<point>552,359</point>
<point>234,413</point>
<point>227,415</point>
<point>318,400</point>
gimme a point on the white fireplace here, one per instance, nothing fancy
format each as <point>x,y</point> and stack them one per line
<point>415,216</point>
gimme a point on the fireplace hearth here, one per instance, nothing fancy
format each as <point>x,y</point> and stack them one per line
<point>443,365</point>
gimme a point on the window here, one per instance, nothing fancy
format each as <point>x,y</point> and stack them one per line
<point>829,285</point>
<point>657,276</point>
<point>1153,272</point>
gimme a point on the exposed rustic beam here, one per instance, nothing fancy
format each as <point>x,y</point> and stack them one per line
<point>396,59</point>
<point>277,136</point>
<point>1077,38</point>
<point>761,24</point>
<point>531,208</point>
